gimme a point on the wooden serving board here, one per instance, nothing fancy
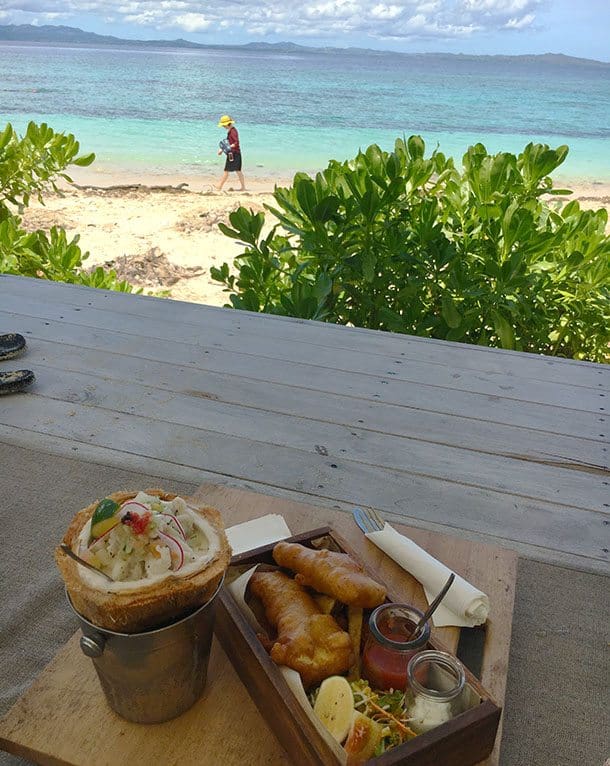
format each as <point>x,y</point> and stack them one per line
<point>63,717</point>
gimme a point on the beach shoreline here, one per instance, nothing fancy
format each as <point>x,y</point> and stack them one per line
<point>105,176</point>
<point>264,180</point>
<point>160,231</point>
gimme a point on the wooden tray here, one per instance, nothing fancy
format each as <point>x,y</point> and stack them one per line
<point>63,719</point>
<point>463,741</point>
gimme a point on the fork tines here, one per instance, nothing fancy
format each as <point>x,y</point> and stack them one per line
<point>368,520</point>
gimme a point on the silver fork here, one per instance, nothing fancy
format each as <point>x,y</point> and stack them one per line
<point>368,520</point>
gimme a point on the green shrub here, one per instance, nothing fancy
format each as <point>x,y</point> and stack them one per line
<point>397,241</point>
<point>29,166</point>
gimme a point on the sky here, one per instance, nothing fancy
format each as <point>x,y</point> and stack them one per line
<point>573,27</point>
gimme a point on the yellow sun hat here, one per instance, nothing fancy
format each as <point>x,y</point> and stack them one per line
<point>225,121</point>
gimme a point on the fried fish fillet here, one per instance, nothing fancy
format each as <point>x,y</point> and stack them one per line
<point>335,574</point>
<point>307,641</point>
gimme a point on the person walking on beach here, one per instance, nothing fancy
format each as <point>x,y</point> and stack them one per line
<point>230,146</point>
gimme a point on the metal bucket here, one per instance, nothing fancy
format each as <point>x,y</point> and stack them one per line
<point>156,675</point>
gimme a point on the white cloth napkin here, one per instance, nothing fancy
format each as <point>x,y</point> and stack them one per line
<point>464,605</point>
<point>257,532</point>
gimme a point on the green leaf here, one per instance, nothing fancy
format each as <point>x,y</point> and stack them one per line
<point>306,196</point>
<point>229,232</point>
<point>450,313</point>
<point>6,136</point>
<point>416,147</point>
<point>504,330</point>
<point>85,160</point>
<point>326,209</point>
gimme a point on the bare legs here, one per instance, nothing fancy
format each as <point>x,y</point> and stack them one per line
<point>224,177</point>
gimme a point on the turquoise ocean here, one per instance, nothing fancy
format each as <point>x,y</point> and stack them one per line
<point>155,111</point>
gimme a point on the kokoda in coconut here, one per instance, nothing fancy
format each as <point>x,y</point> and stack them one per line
<point>165,556</point>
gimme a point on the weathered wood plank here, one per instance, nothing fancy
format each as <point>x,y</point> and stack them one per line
<point>301,376</point>
<point>551,483</point>
<point>254,381</point>
<point>145,464</point>
<point>452,504</point>
<point>70,378</point>
<point>385,346</point>
<point>320,358</point>
<point>304,331</point>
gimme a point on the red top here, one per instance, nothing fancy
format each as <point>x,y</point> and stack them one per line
<point>233,138</point>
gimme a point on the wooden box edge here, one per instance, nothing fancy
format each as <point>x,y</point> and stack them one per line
<point>241,645</point>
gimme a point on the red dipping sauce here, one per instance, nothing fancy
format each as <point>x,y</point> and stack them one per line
<point>389,645</point>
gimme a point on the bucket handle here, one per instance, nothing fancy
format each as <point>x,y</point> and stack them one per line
<point>92,645</point>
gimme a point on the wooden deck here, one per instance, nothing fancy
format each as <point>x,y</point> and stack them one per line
<point>489,445</point>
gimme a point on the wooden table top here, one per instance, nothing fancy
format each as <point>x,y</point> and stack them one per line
<point>490,445</point>
<point>63,718</point>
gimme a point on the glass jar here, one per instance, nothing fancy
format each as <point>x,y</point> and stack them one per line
<point>390,645</point>
<point>436,681</point>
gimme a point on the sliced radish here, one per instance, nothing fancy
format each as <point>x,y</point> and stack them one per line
<point>176,522</point>
<point>125,508</point>
<point>175,549</point>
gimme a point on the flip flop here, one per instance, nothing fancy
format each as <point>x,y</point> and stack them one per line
<point>16,380</point>
<point>12,344</point>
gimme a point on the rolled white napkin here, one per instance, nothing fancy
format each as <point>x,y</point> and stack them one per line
<point>257,532</point>
<point>464,605</point>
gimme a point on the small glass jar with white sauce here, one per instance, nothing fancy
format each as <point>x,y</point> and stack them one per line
<point>436,682</point>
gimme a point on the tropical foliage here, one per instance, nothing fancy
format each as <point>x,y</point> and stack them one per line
<point>29,166</point>
<point>413,244</point>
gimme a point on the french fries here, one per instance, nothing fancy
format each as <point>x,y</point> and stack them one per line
<point>354,629</point>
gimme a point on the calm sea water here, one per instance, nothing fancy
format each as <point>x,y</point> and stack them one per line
<point>156,111</point>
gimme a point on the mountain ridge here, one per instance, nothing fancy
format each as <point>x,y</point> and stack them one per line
<point>58,34</point>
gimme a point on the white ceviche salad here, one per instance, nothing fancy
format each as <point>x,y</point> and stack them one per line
<point>146,538</point>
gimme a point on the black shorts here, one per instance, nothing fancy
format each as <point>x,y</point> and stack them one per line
<point>235,163</point>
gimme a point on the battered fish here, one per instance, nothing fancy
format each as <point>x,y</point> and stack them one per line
<point>335,574</point>
<point>307,641</point>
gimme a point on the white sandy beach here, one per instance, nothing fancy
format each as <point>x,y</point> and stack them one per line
<point>164,229</point>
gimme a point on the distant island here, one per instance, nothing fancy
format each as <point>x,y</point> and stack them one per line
<point>63,35</point>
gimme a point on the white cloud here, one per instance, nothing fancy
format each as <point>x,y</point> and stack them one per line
<point>421,26</point>
<point>429,7</point>
<point>330,19</point>
<point>382,11</point>
<point>497,6</point>
<point>524,21</point>
<point>335,9</point>
<point>192,22</point>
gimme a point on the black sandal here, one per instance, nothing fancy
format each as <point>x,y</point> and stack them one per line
<point>16,380</point>
<point>12,344</point>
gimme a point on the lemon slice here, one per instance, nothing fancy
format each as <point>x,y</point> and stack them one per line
<point>334,706</point>
<point>104,518</point>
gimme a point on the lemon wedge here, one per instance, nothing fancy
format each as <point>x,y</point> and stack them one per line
<point>334,706</point>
